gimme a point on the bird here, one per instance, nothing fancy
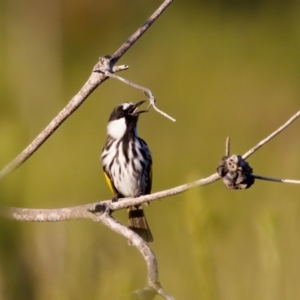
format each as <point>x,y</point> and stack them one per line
<point>127,163</point>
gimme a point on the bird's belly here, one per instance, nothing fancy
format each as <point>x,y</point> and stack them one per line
<point>128,185</point>
<point>128,180</point>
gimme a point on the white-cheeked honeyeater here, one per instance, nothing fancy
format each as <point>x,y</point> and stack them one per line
<point>127,163</point>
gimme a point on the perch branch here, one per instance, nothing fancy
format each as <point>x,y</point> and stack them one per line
<point>84,211</point>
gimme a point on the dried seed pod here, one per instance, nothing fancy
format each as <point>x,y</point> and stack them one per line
<point>235,172</point>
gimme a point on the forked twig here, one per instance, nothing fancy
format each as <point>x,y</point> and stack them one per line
<point>148,93</point>
<point>106,63</point>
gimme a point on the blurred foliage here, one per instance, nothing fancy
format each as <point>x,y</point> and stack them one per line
<point>220,68</point>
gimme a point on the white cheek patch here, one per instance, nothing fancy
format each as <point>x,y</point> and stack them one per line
<point>116,129</point>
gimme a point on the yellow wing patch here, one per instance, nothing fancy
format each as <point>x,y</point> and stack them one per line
<point>110,184</point>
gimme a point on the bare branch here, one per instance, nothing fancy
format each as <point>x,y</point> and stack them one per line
<point>84,211</point>
<point>119,68</point>
<point>227,146</point>
<point>161,112</point>
<point>164,294</point>
<point>87,211</point>
<point>94,80</point>
<point>276,132</point>
<point>148,93</point>
<point>47,215</point>
<point>120,52</point>
<point>105,64</point>
<point>163,194</point>
<point>101,211</point>
<point>153,284</point>
<point>276,179</point>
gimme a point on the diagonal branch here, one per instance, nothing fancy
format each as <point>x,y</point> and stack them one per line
<point>120,52</point>
<point>91,84</point>
<point>272,135</point>
<point>106,64</point>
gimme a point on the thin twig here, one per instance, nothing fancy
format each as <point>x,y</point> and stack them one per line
<point>162,112</point>
<point>119,68</point>
<point>276,179</point>
<point>148,93</point>
<point>164,294</point>
<point>227,146</point>
<point>120,52</point>
<point>276,132</point>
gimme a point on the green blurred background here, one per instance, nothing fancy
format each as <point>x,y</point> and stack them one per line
<point>221,68</point>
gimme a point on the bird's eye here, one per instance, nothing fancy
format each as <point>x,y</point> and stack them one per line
<point>120,113</point>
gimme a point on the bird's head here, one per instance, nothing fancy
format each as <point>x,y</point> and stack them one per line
<point>123,119</point>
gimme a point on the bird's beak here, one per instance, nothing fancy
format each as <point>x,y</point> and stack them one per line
<point>135,111</point>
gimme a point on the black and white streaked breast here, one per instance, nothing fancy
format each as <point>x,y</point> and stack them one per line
<point>128,165</point>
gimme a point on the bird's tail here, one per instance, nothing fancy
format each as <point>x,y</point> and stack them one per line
<point>138,223</point>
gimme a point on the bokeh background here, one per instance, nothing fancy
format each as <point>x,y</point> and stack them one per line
<point>221,68</point>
